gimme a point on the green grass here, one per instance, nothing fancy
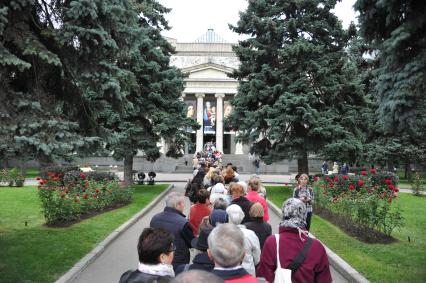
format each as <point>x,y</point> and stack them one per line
<point>35,253</point>
<point>32,173</point>
<point>402,261</point>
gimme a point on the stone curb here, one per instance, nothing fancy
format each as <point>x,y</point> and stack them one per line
<point>100,248</point>
<point>347,271</point>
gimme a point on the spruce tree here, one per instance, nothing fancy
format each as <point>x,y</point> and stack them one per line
<point>36,120</point>
<point>397,31</point>
<point>298,92</point>
<point>156,109</point>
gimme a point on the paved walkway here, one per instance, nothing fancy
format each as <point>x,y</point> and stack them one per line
<point>121,255</point>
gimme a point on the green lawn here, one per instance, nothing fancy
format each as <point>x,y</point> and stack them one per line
<point>32,173</point>
<point>402,261</point>
<point>35,253</point>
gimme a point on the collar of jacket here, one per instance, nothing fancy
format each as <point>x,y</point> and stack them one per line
<point>173,210</point>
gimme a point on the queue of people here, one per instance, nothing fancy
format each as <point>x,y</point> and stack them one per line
<point>228,231</point>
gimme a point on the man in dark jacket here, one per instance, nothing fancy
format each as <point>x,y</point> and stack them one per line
<point>201,261</point>
<point>173,220</point>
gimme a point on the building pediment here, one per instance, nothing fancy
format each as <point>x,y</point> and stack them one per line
<point>208,69</point>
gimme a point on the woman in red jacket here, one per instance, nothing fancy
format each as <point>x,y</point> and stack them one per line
<point>292,238</point>
<point>199,210</point>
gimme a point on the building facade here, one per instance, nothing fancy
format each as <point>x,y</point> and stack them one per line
<point>207,62</point>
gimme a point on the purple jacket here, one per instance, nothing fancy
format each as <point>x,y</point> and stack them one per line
<point>315,268</point>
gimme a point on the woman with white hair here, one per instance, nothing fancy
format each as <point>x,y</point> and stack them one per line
<point>252,245</point>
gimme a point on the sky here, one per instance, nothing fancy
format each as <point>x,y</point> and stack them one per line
<point>190,19</point>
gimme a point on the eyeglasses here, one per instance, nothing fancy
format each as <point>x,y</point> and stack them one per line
<point>173,249</point>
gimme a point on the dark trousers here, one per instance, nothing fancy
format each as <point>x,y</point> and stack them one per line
<point>308,220</point>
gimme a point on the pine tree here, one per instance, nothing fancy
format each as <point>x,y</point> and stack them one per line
<point>298,93</point>
<point>396,30</point>
<point>35,121</point>
<point>157,111</point>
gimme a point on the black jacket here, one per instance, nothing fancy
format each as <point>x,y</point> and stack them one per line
<point>245,205</point>
<point>201,262</point>
<point>262,229</point>
<point>140,277</point>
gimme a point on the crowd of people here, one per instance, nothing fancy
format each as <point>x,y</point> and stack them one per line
<point>228,234</point>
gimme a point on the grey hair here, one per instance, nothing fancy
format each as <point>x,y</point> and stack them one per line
<point>173,199</point>
<point>220,203</point>
<point>196,276</point>
<point>235,214</point>
<point>226,244</point>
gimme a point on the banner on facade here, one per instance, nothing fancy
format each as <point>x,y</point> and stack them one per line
<point>209,118</point>
<point>227,110</point>
<point>191,112</point>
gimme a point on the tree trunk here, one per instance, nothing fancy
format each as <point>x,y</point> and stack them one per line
<point>45,161</point>
<point>302,163</point>
<point>408,174</point>
<point>128,170</point>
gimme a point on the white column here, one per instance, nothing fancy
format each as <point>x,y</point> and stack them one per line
<point>199,141</point>
<point>219,121</point>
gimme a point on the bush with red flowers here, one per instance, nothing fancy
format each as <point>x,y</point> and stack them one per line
<point>65,204</point>
<point>366,199</point>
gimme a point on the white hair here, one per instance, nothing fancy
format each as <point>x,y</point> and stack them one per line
<point>173,199</point>
<point>226,244</point>
<point>235,214</point>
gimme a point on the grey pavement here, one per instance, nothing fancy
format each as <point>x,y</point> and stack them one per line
<point>121,255</point>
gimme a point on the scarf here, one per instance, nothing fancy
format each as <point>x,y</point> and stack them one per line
<point>294,216</point>
<point>159,269</point>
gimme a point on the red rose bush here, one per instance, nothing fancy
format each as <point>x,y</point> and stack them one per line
<point>365,199</point>
<point>64,203</point>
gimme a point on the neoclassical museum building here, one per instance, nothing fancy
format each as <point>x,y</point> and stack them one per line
<point>207,62</point>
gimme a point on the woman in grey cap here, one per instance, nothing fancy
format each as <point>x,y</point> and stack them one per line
<point>292,239</point>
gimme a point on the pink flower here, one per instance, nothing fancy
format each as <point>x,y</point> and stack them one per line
<point>345,177</point>
<point>388,182</point>
<point>360,183</point>
<point>351,187</point>
<point>364,173</point>
<point>315,179</point>
<point>373,171</point>
<point>82,175</point>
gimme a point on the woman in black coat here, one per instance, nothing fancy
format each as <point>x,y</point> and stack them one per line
<point>262,229</point>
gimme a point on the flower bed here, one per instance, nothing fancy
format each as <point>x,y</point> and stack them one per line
<point>361,204</point>
<point>66,204</point>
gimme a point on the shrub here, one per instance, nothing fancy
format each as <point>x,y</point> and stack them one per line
<point>102,176</point>
<point>12,177</point>
<point>62,205</point>
<point>71,177</point>
<point>366,199</point>
<point>60,171</point>
<point>417,185</point>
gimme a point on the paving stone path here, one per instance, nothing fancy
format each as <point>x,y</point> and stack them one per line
<point>121,255</point>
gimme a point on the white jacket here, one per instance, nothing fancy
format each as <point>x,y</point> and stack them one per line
<point>252,246</point>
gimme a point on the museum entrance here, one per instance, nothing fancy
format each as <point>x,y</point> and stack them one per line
<point>209,138</point>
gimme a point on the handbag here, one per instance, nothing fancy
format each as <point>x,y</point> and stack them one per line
<point>283,275</point>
